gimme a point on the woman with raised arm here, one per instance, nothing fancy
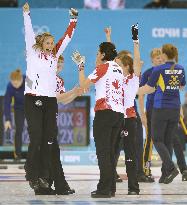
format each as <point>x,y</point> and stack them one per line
<point>131,70</point>
<point>41,106</point>
<point>127,138</point>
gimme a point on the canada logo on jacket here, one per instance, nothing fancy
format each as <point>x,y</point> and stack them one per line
<point>116,84</point>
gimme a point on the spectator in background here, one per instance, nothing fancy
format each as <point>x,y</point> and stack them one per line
<point>92,4</point>
<point>157,4</point>
<point>111,4</point>
<point>116,4</point>
<point>15,90</point>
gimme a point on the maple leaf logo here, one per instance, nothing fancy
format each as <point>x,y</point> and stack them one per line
<point>116,84</point>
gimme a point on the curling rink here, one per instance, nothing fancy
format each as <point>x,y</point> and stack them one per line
<point>15,190</point>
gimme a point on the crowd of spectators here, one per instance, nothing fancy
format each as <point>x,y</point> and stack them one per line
<point>98,4</point>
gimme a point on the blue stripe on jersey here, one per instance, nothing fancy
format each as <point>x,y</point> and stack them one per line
<point>167,82</point>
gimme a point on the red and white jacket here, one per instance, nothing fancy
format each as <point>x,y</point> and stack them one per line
<point>41,68</point>
<point>108,80</point>
<point>130,86</point>
<point>60,85</point>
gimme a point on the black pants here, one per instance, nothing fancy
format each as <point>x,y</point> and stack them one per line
<point>1,120</point>
<point>19,117</point>
<point>182,136</point>
<point>138,140</point>
<point>129,141</point>
<point>148,145</point>
<point>106,126</point>
<point>139,145</point>
<point>164,124</point>
<point>56,173</point>
<point>177,146</point>
<point>118,147</point>
<point>40,113</point>
<point>43,159</point>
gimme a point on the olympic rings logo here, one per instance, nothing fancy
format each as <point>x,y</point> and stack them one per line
<point>39,29</point>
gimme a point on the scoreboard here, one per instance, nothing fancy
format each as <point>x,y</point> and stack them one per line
<point>73,126</point>
<point>73,122</point>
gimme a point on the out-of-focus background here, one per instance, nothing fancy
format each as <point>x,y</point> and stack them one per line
<point>159,22</point>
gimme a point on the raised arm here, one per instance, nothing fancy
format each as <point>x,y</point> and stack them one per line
<point>108,31</point>
<point>136,60</point>
<point>29,33</point>
<point>64,41</point>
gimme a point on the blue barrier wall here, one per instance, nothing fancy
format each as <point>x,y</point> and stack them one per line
<point>156,27</point>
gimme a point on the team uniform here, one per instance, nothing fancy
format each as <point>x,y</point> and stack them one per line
<point>109,114</point>
<point>139,146</point>
<point>60,173</point>
<point>130,86</point>
<point>60,85</point>
<point>149,107</point>
<point>41,107</point>
<point>148,143</point>
<point>166,111</point>
<point>18,95</point>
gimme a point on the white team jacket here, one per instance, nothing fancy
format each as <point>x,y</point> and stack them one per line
<point>41,68</point>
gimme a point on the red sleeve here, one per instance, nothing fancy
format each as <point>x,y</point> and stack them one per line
<point>63,42</point>
<point>99,72</point>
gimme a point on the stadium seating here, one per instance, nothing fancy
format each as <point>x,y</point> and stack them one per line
<point>76,3</point>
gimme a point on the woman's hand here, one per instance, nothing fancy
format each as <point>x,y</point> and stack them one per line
<point>78,91</point>
<point>108,31</point>
<point>26,7</point>
<point>73,13</point>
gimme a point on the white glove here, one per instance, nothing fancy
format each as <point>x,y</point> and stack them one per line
<point>73,13</point>
<point>77,58</point>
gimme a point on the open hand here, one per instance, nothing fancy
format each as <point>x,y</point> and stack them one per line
<point>108,30</point>
<point>26,7</point>
<point>77,58</point>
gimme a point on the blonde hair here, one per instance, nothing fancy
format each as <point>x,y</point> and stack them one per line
<point>16,75</point>
<point>123,52</point>
<point>61,57</point>
<point>156,52</point>
<point>40,39</point>
<point>127,61</point>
